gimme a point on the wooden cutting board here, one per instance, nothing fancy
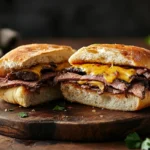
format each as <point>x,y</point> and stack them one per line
<point>76,123</point>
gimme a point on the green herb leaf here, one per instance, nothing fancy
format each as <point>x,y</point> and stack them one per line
<point>133,141</point>
<point>23,114</point>
<point>57,107</point>
<point>10,109</point>
<point>148,40</point>
<point>146,144</point>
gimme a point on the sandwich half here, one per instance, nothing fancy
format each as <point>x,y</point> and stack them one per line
<point>27,73</point>
<point>110,76</point>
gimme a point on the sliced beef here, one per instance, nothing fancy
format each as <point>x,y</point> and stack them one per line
<point>67,76</point>
<point>91,78</point>
<point>140,71</point>
<point>99,91</point>
<point>90,87</point>
<point>120,85</point>
<point>75,70</point>
<point>73,76</point>
<point>143,71</point>
<point>138,89</point>
<point>107,89</point>
<point>147,75</point>
<point>23,75</point>
<point>137,86</point>
<point>112,90</point>
<point>117,84</point>
<point>85,86</point>
<point>12,83</point>
<point>49,75</point>
<point>33,85</point>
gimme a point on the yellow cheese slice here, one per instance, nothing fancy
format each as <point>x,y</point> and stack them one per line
<point>37,69</point>
<point>93,83</point>
<point>110,73</point>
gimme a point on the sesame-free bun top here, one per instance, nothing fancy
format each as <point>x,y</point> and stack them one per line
<point>116,54</point>
<point>26,56</point>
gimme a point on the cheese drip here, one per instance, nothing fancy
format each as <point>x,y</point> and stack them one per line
<point>110,73</point>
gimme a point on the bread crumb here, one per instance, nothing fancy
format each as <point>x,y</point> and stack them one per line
<point>93,110</point>
<point>6,109</point>
<point>33,110</point>
<point>101,116</point>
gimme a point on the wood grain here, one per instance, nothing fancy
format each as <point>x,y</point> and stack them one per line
<point>76,123</point>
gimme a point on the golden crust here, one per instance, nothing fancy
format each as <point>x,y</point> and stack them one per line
<point>116,54</point>
<point>74,93</point>
<point>28,55</point>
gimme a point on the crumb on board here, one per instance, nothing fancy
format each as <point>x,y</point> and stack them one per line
<point>94,110</point>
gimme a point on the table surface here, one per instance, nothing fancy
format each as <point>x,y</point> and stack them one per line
<point>16,144</point>
<point>7,143</point>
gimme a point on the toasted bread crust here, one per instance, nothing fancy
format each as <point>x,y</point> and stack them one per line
<point>28,55</point>
<point>116,54</point>
<point>74,93</point>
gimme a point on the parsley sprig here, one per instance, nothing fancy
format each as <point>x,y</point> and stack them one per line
<point>58,108</point>
<point>133,141</point>
<point>23,114</point>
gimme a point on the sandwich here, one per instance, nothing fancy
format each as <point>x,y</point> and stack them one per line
<point>111,76</point>
<point>27,73</point>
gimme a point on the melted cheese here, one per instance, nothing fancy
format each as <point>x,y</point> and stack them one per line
<point>37,69</point>
<point>93,83</point>
<point>62,66</point>
<point>96,83</point>
<point>110,73</point>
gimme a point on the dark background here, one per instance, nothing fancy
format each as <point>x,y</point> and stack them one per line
<point>76,18</point>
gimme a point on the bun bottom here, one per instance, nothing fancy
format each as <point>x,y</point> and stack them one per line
<point>74,93</point>
<point>22,96</point>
